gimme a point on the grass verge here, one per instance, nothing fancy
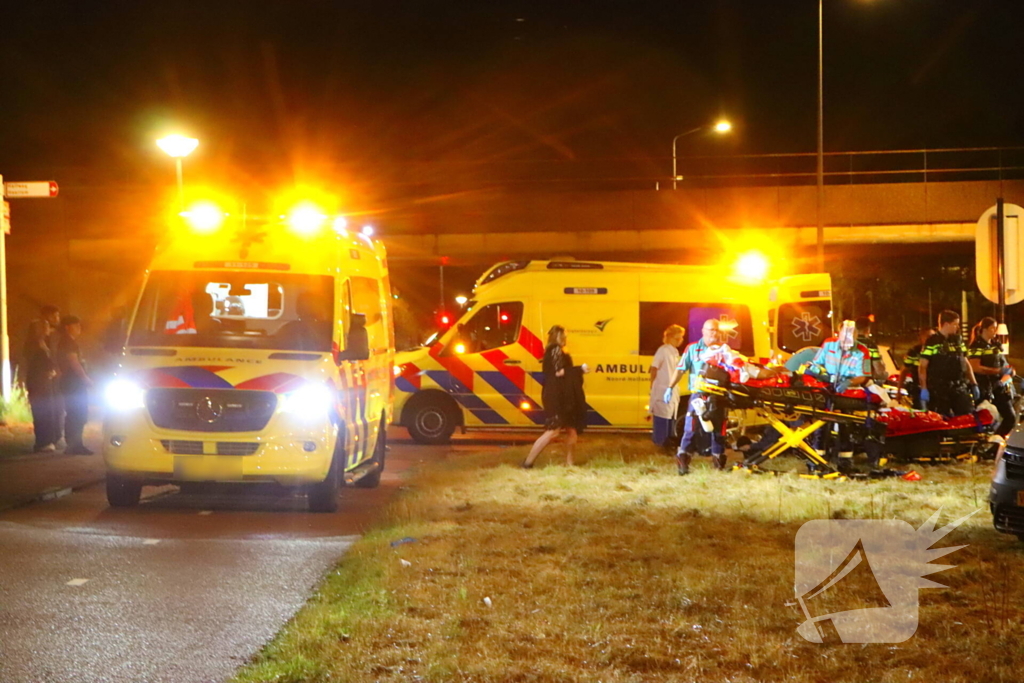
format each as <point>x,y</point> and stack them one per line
<point>619,570</point>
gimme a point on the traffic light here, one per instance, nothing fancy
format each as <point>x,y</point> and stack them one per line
<point>443,319</point>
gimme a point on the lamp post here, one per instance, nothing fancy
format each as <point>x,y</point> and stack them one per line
<point>721,127</point>
<point>179,147</point>
<point>820,236</point>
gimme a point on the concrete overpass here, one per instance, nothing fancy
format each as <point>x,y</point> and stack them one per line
<point>488,225</point>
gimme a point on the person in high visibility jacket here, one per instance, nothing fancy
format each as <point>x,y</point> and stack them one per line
<point>908,374</point>
<point>844,362</point>
<point>700,406</point>
<point>947,379</point>
<point>994,374</point>
<point>864,338</point>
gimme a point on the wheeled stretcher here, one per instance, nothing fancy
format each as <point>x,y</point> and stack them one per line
<point>797,412</point>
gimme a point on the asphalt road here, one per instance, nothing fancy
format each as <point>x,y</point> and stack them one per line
<point>184,588</point>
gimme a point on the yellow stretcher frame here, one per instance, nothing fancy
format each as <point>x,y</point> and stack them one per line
<point>776,413</point>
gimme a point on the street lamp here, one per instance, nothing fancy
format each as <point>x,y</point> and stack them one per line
<point>820,236</point>
<point>178,146</point>
<point>721,127</point>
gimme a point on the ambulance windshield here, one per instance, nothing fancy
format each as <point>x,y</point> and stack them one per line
<point>229,309</point>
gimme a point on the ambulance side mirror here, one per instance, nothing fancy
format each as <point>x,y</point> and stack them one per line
<point>357,343</point>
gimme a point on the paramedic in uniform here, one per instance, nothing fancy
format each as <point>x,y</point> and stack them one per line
<point>947,380</point>
<point>662,367</point>
<point>844,363</point>
<point>691,363</point>
<point>985,354</point>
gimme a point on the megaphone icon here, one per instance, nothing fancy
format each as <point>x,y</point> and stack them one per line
<point>851,586</point>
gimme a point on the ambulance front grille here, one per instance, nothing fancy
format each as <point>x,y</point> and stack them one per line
<point>179,447</point>
<point>210,410</point>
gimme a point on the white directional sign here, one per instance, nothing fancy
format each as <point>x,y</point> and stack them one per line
<point>986,248</point>
<point>29,189</point>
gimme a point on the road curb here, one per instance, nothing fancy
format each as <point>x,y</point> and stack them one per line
<point>51,494</point>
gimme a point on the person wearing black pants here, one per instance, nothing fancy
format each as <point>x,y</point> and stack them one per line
<point>985,354</point>
<point>40,372</point>
<point>74,384</point>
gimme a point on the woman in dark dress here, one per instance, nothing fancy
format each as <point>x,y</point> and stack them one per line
<point>565,405</point>
<point>39,382</point>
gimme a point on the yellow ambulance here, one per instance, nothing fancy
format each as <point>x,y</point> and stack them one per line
<point>259,351</point>
<point>485,371</point>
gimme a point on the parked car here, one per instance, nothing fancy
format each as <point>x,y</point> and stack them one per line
<point>1006,495</point>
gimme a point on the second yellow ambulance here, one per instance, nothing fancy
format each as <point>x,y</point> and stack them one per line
<point>484,372</point>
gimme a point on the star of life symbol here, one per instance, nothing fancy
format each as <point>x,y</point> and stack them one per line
<point>857,581</point>
<point>729,327</point>
<point>807,327</point>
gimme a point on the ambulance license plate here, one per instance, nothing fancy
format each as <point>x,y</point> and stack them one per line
<point>208,468</point>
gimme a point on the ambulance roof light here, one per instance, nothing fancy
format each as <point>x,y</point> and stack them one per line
<point>341,226</point>
<point>204,217</point>
<point>306,219</point>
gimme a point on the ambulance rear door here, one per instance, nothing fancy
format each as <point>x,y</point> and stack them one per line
<point>800,312</point>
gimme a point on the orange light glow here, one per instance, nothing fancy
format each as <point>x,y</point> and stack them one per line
<point>525,405</point>
<point>752,266</point>
<point>460,348</point>
<point>306,218</point>
<point>204,217</point>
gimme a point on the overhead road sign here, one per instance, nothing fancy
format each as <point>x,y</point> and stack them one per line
<point>31,189</point>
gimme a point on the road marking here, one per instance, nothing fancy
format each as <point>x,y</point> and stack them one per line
<point>77,582</point>
<point>206,512</point>
<point>151,541</point>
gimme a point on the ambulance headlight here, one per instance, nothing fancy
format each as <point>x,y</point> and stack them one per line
<point>123,395</point>
<point>311,402</point>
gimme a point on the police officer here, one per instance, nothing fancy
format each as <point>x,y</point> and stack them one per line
<point>908,375</point>
<point>993,372</point>
<point>699,404</point>
<point>946,378</point>
<point>864,338</point>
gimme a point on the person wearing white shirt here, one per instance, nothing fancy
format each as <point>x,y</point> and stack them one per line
<point>665,361</point>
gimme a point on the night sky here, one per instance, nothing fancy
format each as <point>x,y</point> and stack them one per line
<point>297,88</point>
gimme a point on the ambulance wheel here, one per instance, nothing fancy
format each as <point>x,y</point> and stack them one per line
<point>323,497</point>
<point>123,492</point>
<point>432,420</point>
<point>372,480</point>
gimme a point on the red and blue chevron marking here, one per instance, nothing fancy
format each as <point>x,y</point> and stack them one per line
<point>207,377</point>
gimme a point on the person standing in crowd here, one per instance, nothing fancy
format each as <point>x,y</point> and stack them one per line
<point>864,338</point>
<point>51,314</point>
<point>946,378</point>
<point>666,358</point>
<point>40,375</point>
<point>74,385</point>
<point>911,362</point>
<point>565,405</point>
<point>985,355</point>
<point>690,363</point>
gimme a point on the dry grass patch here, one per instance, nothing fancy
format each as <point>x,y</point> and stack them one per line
<point>619,570</point>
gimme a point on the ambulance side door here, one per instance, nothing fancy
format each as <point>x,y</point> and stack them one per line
<point>600,318</point>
